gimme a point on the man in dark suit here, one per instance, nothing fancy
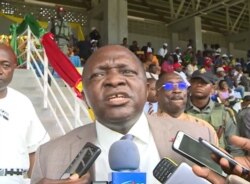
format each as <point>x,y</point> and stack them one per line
<point>115,87</point>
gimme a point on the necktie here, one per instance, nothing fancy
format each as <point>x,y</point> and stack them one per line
<point>150,108</point>
<point>127,137</point>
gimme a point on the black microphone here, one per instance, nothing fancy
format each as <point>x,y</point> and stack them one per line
<point>124,160</point>
<point>168,172</point>
<point>83,161</point>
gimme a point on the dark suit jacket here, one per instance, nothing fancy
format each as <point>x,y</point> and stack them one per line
<point>55,156</point>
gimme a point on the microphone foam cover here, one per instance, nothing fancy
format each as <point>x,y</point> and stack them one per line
<point>124,155</point>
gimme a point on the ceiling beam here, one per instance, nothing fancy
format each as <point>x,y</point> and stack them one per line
<point>239,17</point>
<point>172,8</point>
<point>212,7</point>
<point>179,8</point>
<point>66,2</point>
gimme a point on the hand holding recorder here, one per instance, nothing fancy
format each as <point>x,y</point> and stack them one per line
<point>77,171</point>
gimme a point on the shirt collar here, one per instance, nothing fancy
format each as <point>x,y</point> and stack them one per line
<point>207,109</point>
<point>106,137</point>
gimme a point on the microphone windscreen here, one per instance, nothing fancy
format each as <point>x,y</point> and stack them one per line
<point>124,155</point>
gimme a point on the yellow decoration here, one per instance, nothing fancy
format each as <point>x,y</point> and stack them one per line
<point>91,114</point>
<point>79,86</point>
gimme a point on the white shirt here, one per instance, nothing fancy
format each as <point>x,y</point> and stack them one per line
<point>21,132</point>
<point>152,75</point>
<point>162,52</point>
<point>149,156</point>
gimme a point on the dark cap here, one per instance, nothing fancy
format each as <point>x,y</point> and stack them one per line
<point>246,98</point>
<point>208,77</point>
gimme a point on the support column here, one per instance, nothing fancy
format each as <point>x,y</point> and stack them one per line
<point>193,26</point>
<point>115,21</point>
<point>195,31</point>
<point>248,38</point>
<point>230,48</point>
<point>173,41</point>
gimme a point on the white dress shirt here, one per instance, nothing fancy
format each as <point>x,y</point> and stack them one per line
<point>162,52</point>
<point>149,156</point>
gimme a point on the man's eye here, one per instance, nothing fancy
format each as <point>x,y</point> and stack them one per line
<point>6,65</point>
<point>129,72</point>
<point>96,75</point>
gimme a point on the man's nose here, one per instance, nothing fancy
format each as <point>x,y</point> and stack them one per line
<point>176,88</point>
<point>1,70</point>
<point>114,79</point>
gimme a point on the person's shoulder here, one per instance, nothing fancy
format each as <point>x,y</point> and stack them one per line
<point>218,106</point>
<point>13,93</point>
<point>200,121</point>
<point>70,137</point>
<point>170,122</point>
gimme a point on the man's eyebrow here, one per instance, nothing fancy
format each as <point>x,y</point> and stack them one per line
<point>107,66</point>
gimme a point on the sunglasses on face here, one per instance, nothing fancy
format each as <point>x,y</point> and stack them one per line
<point>169,86</point>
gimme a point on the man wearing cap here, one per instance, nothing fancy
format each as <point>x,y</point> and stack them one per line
<point>163,50</point>
<point>244,117</point>
<point>201,106</point>
<point>61,30</point>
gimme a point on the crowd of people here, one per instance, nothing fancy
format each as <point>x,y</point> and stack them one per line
<point>148,94</point>
<point>120,88</point>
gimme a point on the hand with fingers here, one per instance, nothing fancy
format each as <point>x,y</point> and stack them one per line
<point>74,179</point>
<point>236,175</point>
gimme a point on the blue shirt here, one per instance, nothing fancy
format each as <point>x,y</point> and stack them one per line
<point>75,60</point>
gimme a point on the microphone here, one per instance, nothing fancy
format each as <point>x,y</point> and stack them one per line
<point>168,172</point>
<point>124,160</point>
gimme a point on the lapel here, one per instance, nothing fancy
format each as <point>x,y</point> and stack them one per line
<point>161,133</point>
<point>88,134</point>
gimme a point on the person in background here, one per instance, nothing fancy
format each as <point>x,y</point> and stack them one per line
<point>177,55</point>
<point>95,35</point>
<point>74,58</point>
<point>94,45</point>
<point>61,30</point>
<point>171,95</point>
<point>167,64</point>
<point>148,48</point>
<point>223,91</point>
<point>244,117</point>
<point>125,42</point>
<point>152,72</point>
<point>134,47</point>
<point>208,64</point>
<point>84,47</point>
<point>201,105</point>
<point>21,131</point>
<point>191,67</point>
<point>178,69</point>
<point>163,51</point>
<point>151,105</point>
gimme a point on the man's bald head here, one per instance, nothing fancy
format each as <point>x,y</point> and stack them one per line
<point>8,63</point>
<point>10,52</point>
